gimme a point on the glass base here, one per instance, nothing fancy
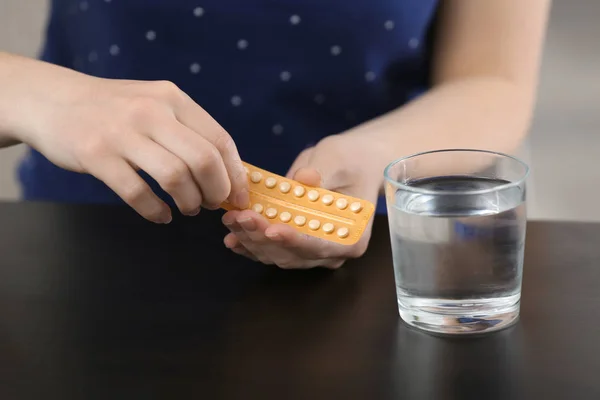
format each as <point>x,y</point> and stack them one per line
<point>460,317</point>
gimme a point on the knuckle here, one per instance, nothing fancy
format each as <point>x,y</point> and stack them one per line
<point>134,193</point>
<point>223,141</point>
<point>330,144</point>
<point>173,175</point>
<point>140,109</point>
<point>205,161</point>
<point>305,153</point>
<point>93,147</point>
<point>168,90</point>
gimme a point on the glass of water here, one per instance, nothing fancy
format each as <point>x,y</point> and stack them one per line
<point>457,224</point>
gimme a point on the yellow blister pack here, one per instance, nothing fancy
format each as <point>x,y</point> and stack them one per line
<point>312,210</point>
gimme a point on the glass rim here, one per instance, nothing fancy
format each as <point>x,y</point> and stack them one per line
<point>403,186</point>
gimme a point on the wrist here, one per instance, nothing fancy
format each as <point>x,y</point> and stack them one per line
<point>30,89</point>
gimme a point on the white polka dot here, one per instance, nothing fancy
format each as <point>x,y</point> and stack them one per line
<point>413,43</point>
<point>285,76</point>
<point>107,1</point>
<point>93,57</point>
<point>295,19</point>
<point>388,25</point>
<point>150,35</point>
<point>277,129</point>
<point>198,11</point>
<point>242,44</point>
<point>370,76</point>
<point>320,98</point>
<point>195,68</point>
<point>114,50</point>
<point>236,101</point>
<point>336,50</point>
<point>84,5</point>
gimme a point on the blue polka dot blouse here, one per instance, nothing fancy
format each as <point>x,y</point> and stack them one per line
<point>282,74</point>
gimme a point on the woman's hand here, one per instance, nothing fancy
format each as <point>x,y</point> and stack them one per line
<point>332,164</point>
<point>113,128</point>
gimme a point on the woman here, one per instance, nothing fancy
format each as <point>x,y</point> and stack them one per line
<point>178,92</point>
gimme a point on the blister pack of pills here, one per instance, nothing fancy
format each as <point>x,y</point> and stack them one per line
<point>312,210</point>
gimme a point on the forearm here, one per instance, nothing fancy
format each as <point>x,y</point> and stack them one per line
<point>475,113</point>
<point>9,66</point>
<point>26,85</point>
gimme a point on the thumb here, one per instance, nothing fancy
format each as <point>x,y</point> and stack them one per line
<point>309,176</point>
<point>303,169</point>
<point>319,169</point>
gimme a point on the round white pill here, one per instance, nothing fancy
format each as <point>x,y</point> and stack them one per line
<point>343,232</point>
<point>327,199</point>
<point>314,224</point>
<point>285,187</point>
<point>255,177</point>
<point>270,183</point>
<point>341,203</point>
<point>285,216</point>
<point>328,227</point>
<point>356,207</point>
<point>300,220</point>
<point>313,195</point>
<point>271,212</point>
<point>299,191</point>
<point>258,208</point>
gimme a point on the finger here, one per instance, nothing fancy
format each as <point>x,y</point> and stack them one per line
<point>308,176</point>
<point>309,247</point>
<point>197,119</point>
<point>232,243</point>
<point>322,166</point>
<point>229,217</point>
<point>252,237</point>
<point>229,220</point>
<point>171,173</point>
<point>300,162</point>
<point>235,228</point>
<point>128,185</point>
<point>254,226</point>
<point>202,159</point>
<point>241,250</point>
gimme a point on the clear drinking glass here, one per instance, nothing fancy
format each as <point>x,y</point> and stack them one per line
<point>457,224</point>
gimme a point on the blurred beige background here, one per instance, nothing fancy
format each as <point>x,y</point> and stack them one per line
<point>21,27</point>
<point>565,137</point>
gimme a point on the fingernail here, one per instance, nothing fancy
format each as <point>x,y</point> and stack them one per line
<point>242,199</point>
<point>194,212</point>
<point>248,224</point>
<point>166,219</point>
<point>273,236</point>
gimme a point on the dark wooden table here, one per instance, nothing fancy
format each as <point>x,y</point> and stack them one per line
<point>96,303</point>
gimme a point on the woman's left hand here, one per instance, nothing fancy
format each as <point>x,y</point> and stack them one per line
<point>334,164</point>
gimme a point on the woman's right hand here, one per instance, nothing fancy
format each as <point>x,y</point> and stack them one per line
<point>113,128</point>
